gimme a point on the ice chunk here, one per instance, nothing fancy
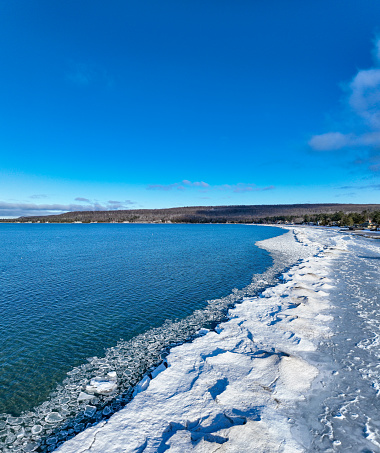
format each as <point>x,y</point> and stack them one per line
<point>36,429</point>
<point>84,397</point>
<point>158,370</point>
<point>53,417</point>
<point>51,440</point>
<point>107,411</point>
<point>101,386</point>
<point>31,446</point>
<point>112,375</point>
<point>20,433</point>
<point>142,385</point>
<point>203,331</point>
<point>90,411</point>
<point>14,421</point>
<point>10,438</point>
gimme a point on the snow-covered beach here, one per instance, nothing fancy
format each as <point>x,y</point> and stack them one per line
<point>292,370</point>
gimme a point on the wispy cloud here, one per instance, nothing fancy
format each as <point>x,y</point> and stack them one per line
<point>27,209</point>
<point>196,183</point>
<point>374,163</point>
<point>345,195</point>
<point>183,185</point>
<point>363,104</point>
<point>242,187</point>
<point>336,140</point>
<point>367,186</point>
<point>31,209</point>
<point>38,196</point>
<point>164,187</point>
<point>204,187</point>
<point>114,204</point>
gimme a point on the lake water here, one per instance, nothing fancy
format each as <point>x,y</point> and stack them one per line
<point>71,292</point>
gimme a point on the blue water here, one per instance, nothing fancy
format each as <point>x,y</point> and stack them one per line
<point>67,292</point>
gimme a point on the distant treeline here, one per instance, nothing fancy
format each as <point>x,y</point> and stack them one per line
<point>325,214</point>
<point>337,218</point>
<point>340,217</point>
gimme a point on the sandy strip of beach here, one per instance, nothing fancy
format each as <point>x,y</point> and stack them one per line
<point>246,385</point>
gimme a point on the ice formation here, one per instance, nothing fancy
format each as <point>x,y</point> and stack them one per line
<point>291,368</point>
<point>123,366</point>
<point>233,389</point>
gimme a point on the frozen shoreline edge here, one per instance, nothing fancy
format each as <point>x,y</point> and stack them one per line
<point>218,434</point>
<point>76,403</point>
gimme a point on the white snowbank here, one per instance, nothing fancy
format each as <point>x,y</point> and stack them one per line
<point>233,389</point>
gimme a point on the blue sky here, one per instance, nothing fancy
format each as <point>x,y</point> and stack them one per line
<point>145,104</point>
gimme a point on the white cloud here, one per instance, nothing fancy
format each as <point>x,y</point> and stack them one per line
<point>376,52</point>
<point>335,140</point>
<point>330,141</point>
<point>365,96</point>
<point>195,184</point>
<point>29,209</point>
<point>364,104</point>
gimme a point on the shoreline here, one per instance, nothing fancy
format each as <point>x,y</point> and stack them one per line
<point>268,376</point>
<point>70,408</point>
<point>263,350</point>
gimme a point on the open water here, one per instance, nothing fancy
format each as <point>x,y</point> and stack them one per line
<point>80,300</point>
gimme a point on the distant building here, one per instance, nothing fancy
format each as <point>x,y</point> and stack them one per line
<point>367,225</point>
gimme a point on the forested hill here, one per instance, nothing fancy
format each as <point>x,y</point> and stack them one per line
<point>218,214</point>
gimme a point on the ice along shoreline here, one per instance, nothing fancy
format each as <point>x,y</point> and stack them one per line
<point>240,383</point>
<point>73,406</point>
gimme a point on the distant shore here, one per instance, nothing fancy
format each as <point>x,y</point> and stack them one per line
<point>321,213</point>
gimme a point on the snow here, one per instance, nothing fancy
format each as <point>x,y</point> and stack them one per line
<point>295,369</point>
<point>235,389</point>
